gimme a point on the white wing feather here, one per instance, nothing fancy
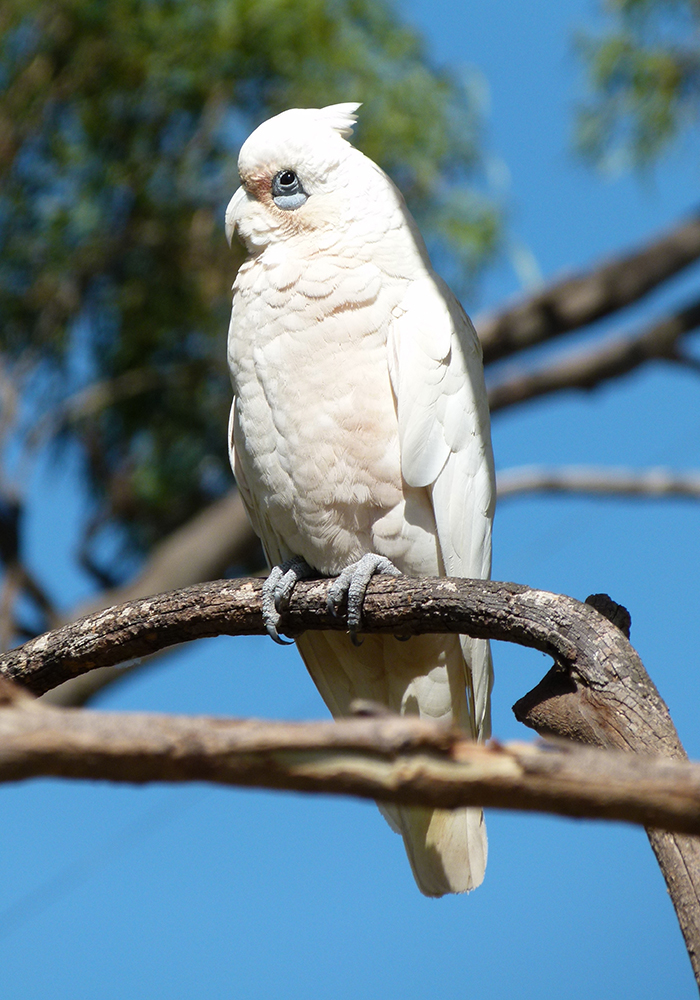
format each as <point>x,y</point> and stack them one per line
<point>437,376</point>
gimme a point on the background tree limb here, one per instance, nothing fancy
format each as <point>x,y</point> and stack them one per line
<point>205,547</point>
<point>598,480</point>
<point>576,301</point>
<point>588,368</point>
<point>217,537</point>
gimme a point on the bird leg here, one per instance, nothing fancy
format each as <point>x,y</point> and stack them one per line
<point>277,589</point>
<point>351,586</point>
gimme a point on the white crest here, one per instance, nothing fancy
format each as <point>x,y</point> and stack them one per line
<point>341,117</point>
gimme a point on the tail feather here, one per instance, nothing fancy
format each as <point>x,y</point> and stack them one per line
<point>447,848</point>
<point>426,676</point>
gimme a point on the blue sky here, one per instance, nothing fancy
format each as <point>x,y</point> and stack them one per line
<point>180,892</point>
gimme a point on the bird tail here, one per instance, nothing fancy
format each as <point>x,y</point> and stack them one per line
<point>425,676</point>
<point>446,848</point>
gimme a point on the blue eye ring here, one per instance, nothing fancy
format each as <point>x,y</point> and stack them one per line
<point>287,190</point>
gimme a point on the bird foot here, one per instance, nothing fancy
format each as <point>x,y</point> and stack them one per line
<point>351,587</point>
<point>277,589</point>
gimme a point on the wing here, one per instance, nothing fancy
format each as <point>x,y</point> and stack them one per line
<point>436,370</point>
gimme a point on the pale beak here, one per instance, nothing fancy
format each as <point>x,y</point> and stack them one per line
<point>233,211</point>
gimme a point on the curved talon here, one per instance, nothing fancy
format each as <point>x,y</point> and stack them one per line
<point>270,612</point>
<point>276,637</point>
<point>277,589</point>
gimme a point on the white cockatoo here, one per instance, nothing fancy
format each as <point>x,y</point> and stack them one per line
<point>359,435</point>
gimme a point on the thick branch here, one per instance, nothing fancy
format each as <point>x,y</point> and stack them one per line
<point>600,481</point>
<point>576,301</point>
<point>604,711</point>
<point>589,368</point>
<point>394,759</point>
<point>571,632</point>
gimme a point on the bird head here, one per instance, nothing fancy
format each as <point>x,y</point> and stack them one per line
<point>300,176</point>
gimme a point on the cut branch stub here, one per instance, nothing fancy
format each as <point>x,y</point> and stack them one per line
<point>615,706</point>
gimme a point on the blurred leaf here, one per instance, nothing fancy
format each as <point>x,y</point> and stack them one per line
<point>644,77</point>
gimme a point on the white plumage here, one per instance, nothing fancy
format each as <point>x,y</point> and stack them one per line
<point>360,425</point>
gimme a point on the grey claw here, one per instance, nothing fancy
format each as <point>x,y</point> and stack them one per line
<point>276,637</point>
<point>351,586</point>
<point>277,589</point>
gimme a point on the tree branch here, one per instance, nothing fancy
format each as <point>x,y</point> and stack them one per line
<point>389,758</point>
<point>589,368</point>
<point>221,536</point>
<point>573,633</point>
<point>600,481</point>
<point>576,301</point>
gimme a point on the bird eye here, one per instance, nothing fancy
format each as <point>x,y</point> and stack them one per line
<point>287,192</point>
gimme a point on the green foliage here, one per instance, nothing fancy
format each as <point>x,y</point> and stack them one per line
<point>645,77</point>
<point>119,128</point>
